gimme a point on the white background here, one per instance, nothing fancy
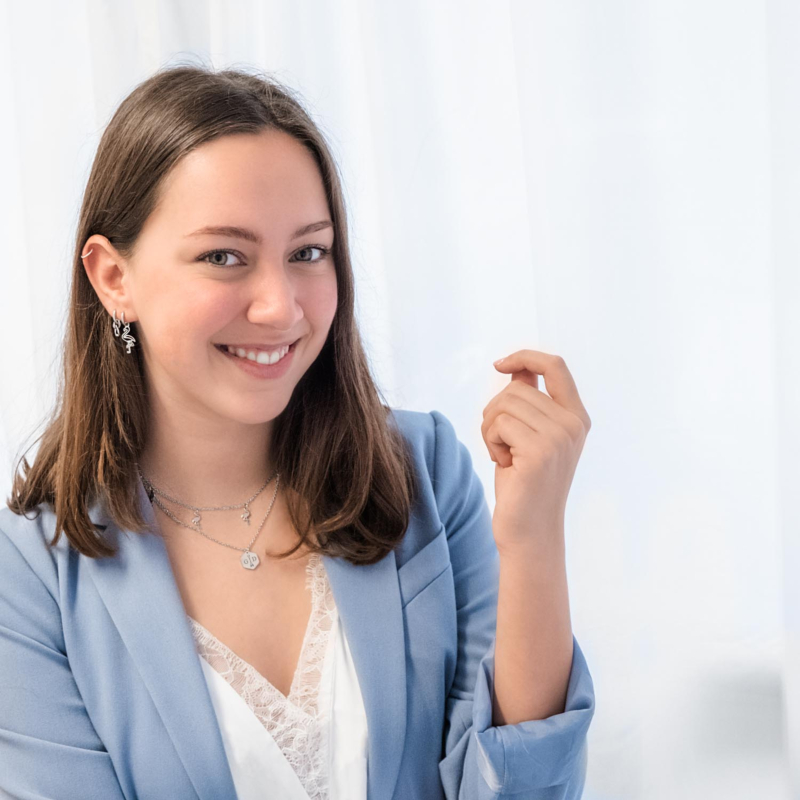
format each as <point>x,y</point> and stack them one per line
<point>616,182</point>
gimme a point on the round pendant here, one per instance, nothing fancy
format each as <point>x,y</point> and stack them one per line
<point>249,560</point>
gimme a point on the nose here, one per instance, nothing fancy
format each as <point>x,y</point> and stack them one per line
<point>274,301</point>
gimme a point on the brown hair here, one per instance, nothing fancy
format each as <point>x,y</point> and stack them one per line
<point>347,466</point>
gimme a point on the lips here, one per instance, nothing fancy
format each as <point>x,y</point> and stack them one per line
<point>283,350</point>
<point>269,348</point>
<point>223,348</point>
<point>253,368</point>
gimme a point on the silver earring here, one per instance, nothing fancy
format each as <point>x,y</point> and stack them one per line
<point>126,335</point>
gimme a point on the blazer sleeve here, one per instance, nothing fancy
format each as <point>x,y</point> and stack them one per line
<point>542,759</point>
<point>48,745</point>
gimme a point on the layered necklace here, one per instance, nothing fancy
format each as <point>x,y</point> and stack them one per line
<point>249,559</point>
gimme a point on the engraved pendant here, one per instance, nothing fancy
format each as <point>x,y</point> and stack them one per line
<point>249,560</point>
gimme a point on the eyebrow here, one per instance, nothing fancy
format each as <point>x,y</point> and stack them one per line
<point>235,232</point>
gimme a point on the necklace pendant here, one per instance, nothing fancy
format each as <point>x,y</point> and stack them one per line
<point>246,515</point>
<point>249,560</point>
<point>196,518</point>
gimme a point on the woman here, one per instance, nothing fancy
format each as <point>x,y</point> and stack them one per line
<point>270,583</point>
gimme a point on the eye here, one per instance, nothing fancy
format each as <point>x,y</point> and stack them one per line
<point>324,250</point>
<point>218,252</point>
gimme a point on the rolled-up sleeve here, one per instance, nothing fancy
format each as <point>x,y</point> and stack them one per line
<point>543,759</point>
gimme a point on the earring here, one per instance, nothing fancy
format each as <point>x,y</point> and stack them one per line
<point>126,336</point>
<point>126,333</point>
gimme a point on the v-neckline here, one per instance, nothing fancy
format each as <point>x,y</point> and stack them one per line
<point>313,566</point>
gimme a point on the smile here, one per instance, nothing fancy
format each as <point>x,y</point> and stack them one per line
<point>260,364</point>
<point>257,356</point>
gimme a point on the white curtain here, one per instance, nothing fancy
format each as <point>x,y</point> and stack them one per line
<point>614,182</point>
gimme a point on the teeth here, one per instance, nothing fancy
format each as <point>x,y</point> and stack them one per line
<point>259,356</point>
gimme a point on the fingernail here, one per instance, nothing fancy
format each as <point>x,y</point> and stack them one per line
<point>498,361</point>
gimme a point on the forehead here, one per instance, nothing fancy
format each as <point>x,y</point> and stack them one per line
<point>265,180</point>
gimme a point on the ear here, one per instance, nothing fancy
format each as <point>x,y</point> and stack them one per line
<point>107,271</point>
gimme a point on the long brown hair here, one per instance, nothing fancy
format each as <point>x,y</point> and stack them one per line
<point>345,463</point>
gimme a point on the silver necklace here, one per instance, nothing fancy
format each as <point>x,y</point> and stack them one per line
<point>249,559</point>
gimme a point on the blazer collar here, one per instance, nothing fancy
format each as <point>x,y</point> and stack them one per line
<point>139,590</point>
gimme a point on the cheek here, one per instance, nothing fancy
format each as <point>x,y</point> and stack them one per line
<point>320,304</point>
<point>183,324</point>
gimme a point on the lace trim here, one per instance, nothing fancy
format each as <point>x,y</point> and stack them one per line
<point>296,723</point>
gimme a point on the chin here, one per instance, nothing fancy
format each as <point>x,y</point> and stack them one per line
<point>257,412</point>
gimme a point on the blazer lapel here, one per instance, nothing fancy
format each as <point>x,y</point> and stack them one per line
<point>142,597</point>
<point>369,604</point>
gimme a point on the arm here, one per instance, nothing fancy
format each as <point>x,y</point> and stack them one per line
<point>533,647</point>
<point>542,759</point>
<point>48,745</point>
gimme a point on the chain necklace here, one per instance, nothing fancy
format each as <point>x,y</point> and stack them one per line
<point>248,559</point>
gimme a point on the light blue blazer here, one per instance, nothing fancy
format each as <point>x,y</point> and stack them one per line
<point>102,694</point>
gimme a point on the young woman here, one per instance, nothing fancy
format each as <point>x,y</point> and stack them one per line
<point>271,584</point>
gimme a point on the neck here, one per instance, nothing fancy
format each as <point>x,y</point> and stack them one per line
<point>207,465</point>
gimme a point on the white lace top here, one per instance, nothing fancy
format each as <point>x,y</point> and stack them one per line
<point>296,722</point>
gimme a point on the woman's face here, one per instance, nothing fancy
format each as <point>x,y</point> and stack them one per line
<point>190,290</point>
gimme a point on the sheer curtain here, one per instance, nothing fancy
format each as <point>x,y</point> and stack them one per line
<point>614,182</point>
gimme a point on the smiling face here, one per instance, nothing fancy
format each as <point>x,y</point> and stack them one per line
<point>189,291</point>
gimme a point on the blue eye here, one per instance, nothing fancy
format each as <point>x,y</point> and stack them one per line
<point>324,250</point>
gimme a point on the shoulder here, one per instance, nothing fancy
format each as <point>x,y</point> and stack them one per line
<point>431,435</point>
<point>417,428</point>
<point>442,459</point>
<point>30,588</point>
<point>450,491</point>
<point>26,560</point>
<point>32,529</point>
